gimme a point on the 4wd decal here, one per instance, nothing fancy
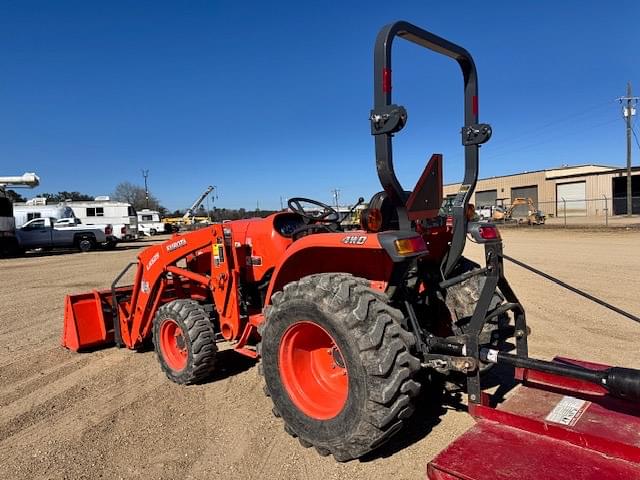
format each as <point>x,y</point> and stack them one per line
<point>355,239</point>
<point>177,244</point>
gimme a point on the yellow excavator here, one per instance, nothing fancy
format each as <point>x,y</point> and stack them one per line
<point>534,216</point>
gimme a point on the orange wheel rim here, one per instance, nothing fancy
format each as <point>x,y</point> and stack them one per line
<point>313,370</point>
<point>173,345</point>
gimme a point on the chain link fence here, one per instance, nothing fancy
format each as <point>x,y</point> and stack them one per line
<point>587,211</point>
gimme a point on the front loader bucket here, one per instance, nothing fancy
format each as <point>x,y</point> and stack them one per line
<point>88,321</point>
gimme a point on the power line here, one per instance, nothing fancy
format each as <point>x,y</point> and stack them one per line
<point>628,111</point>
<point>537,129</point>
<point>491,155</point>
<point>336,196</point>
<point>145,174</point>
<point>636,137</point>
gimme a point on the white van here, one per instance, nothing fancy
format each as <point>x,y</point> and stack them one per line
<point>101,211</point>
<point>149,222</point>
<point>38,208</point>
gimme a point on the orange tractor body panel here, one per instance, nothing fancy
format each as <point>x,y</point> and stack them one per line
<point>211,265</point>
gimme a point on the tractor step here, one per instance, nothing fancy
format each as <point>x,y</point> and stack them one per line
<point>549,427</point>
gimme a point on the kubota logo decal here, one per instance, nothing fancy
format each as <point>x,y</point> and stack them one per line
<point>355,239</point>
<point>177,244</point>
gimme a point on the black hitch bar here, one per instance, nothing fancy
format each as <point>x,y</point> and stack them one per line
<point>620,382</point>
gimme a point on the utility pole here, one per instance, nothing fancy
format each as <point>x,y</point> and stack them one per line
<point>145,175</point>
<point>628,111</point>
<point>336,196</point>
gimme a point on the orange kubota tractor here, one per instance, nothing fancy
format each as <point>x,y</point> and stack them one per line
<point>346,324</point>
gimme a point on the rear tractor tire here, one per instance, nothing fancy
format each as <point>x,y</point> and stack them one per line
<point>461,300</point>
<point>184,341</point>
<point>337,364</point>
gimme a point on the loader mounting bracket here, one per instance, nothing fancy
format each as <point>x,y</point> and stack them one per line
<point>388,119</point>
<point>476,134</point>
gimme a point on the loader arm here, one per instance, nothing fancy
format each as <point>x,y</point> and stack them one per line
<point>125,314</point>
<point>151,282</point>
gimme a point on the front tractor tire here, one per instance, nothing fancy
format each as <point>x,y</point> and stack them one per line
<point>337,364</point>
<point>184,341</point>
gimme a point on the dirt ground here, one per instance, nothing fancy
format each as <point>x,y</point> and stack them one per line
<point>113,414</point>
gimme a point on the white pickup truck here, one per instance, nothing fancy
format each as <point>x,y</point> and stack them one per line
<point>50,233</point>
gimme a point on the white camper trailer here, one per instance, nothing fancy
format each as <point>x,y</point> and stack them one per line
<point>149,222</point>
<point>38,208</point>
<point>122,216</point>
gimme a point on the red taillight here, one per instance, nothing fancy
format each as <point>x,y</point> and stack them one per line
<point>449,220</point>
<point>386,80</point>
<point>489,233</point>
<point>405,246</point>
<point>108,230</point>
<point>123,230</point>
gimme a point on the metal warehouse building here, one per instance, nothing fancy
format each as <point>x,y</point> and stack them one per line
<point>581,190</point>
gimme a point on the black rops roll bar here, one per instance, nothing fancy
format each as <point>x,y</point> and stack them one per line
<point>387,119</point>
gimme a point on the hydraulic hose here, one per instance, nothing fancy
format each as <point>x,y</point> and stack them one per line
<point>573,289</point>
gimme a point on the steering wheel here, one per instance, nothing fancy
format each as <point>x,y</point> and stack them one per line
<point>327,215</point>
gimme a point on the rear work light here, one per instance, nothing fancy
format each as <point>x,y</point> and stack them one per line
<point>407,246</point>
<point>371,220</point>
<point>489,232</point>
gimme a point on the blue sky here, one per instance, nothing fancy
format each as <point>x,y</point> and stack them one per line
<point>271,99</point>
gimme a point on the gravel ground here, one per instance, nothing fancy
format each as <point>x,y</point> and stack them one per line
<point>113,414</point>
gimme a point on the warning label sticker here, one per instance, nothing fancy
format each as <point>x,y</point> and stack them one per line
<point>568,411</point>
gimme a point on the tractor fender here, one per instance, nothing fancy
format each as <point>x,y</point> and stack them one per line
<point>362,254</point>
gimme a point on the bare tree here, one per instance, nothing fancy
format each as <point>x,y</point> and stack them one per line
<point>135,195</point>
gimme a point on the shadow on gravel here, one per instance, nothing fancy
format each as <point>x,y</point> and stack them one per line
<point>503,377</point>
<point>228,364</point>
<point>55,253</point>
<point>430,407</point>
<point>433,402</point>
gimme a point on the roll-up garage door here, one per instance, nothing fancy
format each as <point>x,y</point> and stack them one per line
<point>573,195</point>
<point>486,198</point>
<point>521,211</point>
